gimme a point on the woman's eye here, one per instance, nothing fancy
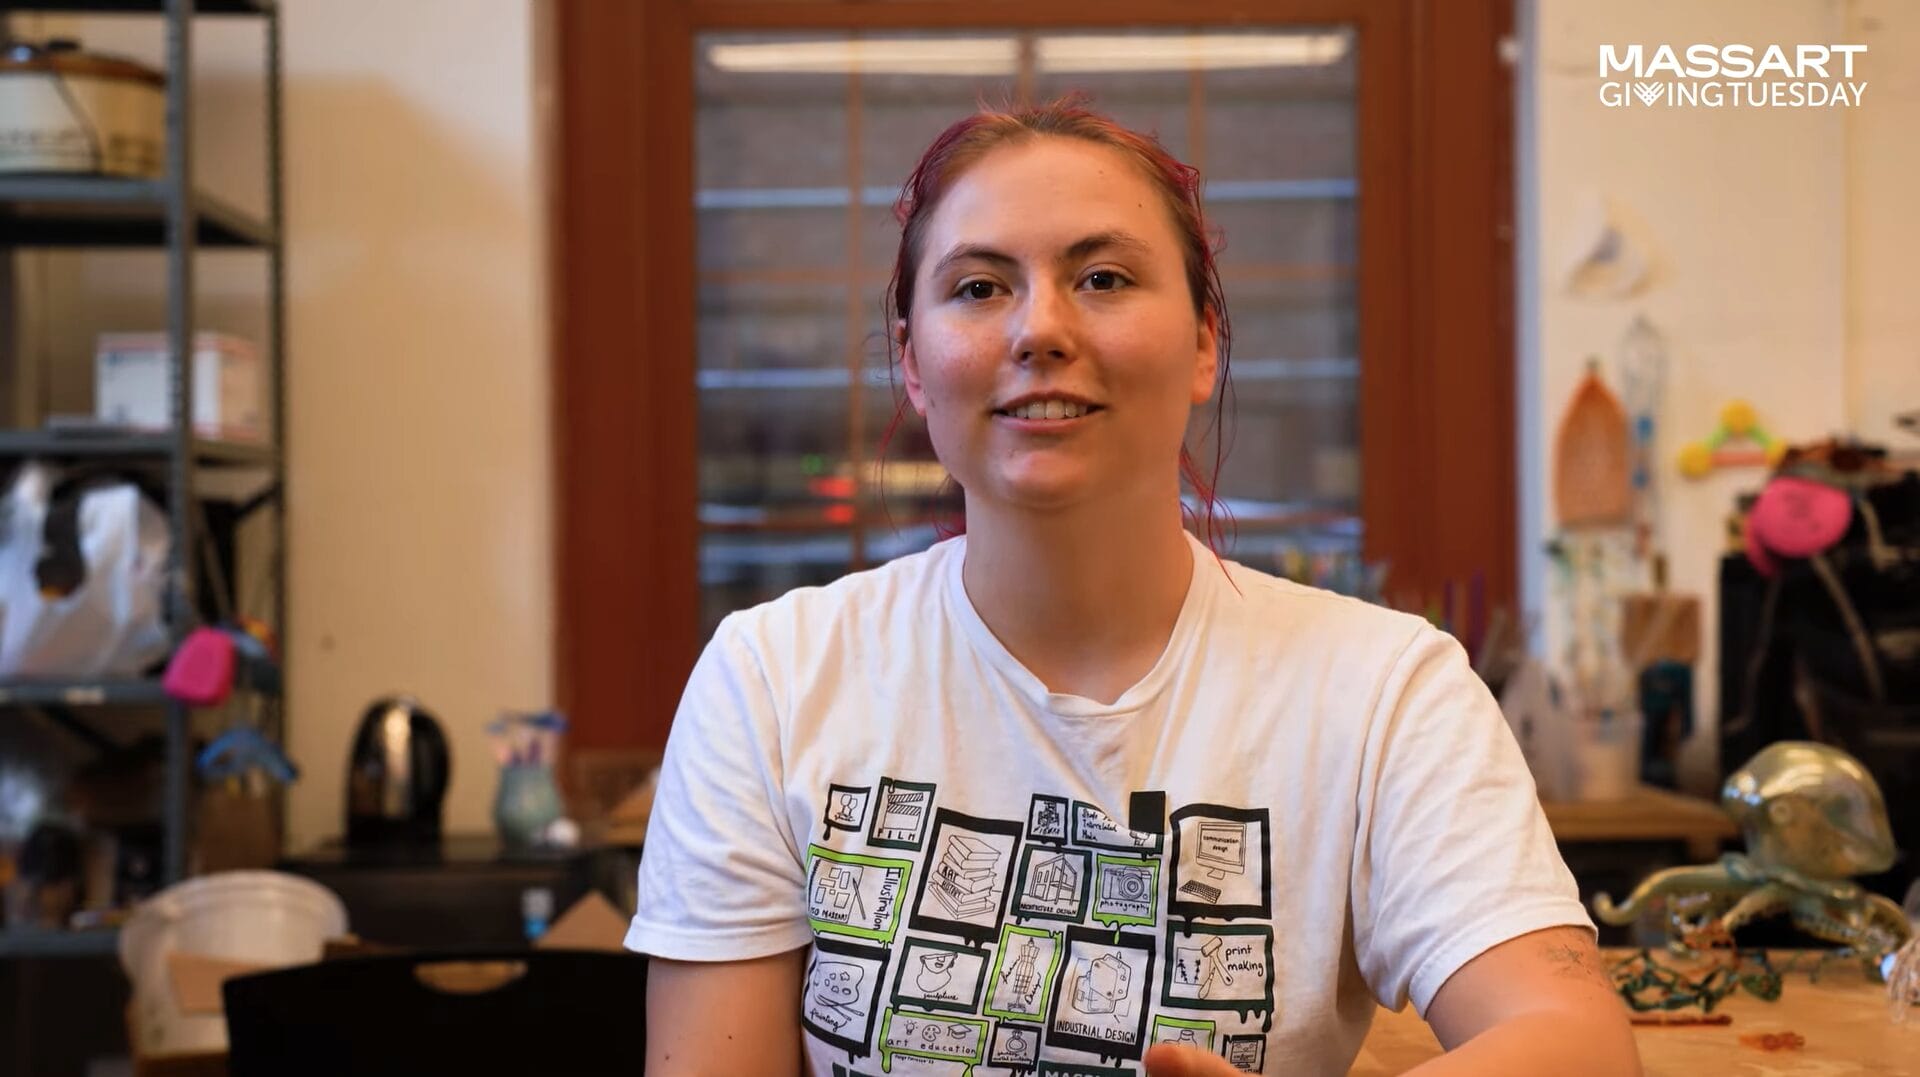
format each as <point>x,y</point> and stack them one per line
<point>1104,280</point>
<point>976,289</point>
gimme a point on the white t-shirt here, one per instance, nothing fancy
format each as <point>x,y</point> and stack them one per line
<point>1308,804</point>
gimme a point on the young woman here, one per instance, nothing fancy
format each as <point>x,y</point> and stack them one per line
<point>1069,787</point>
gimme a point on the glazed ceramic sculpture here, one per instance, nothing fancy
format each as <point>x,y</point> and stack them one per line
<point>1813,818</point>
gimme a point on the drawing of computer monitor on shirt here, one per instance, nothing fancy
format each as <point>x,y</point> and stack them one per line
<point>1221,850</point>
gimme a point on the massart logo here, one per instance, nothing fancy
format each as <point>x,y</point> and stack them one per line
<point>1731,76</point>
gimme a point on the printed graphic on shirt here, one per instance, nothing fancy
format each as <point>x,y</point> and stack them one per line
<point>1052,884</point>
<point>1147,811</point>
<point>1248,1054</point>
<point>1219,967</point>
<point>1094,827</point>
<point>1126,890</point>
<point>1219,862</point>
<point>1184,1031</point>
<point>1027,962</point>
<point>1014,1045</point>
<point>901,814</point>
<point>1047,819</point>
<point>852,894</point>
<point>943,1039</point>
<point>842,1071</point>
<point>963,889</point>
<point>842,990</point>
<point>1100,998</point>
<point>977,979</point>
<point>941,975</point>
<point>846,808</point>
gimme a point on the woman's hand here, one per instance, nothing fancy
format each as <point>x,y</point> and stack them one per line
<point>1179,1060</point>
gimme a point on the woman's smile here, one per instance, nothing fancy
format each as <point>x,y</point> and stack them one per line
<point>1046,413</point>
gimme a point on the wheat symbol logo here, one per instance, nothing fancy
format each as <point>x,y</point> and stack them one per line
<point>1649,91</point>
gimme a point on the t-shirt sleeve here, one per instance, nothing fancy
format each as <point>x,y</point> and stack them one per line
<point>1453,854</point>
<point>720,872</point>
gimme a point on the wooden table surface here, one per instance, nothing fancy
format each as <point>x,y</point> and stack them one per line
<point>1649,814</point>
<point>1843,1019</point>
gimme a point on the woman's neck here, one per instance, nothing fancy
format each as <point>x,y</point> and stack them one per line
<point>1086,599</point>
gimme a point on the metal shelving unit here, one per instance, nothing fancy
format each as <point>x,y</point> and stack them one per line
<point>173,214</point>
<point>85,211</point>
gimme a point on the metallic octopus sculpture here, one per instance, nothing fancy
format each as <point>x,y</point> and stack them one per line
<point>1813,817</point>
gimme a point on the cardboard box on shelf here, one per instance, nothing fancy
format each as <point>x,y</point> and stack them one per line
<point>610,791</point>
<point>591,924</point>
<point>227,389</point>
<point>1660,626</point>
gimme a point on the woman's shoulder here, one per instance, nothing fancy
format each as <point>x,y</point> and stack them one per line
<point>872,600</point>
<point>1291,614</point>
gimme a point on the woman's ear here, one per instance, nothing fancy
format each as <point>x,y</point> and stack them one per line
<point>1207,356</point>
<point>910,367</point>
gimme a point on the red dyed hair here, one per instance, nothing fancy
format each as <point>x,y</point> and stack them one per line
<point>970,139</point>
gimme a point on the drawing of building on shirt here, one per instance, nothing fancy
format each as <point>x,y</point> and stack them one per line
<point>1055,879</point>
<point>967,878</point>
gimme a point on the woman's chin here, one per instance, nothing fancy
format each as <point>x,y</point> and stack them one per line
<point>1045,490</point>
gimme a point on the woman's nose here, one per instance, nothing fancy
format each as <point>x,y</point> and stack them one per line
<point>1046,326</point>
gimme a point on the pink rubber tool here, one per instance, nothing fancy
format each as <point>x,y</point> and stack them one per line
<point>201,671</point>
<point>1795,517</point>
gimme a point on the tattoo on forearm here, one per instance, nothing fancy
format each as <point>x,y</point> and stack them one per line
<point>1576,962</point>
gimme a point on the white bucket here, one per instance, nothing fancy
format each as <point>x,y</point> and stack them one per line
<point>260,917</point>
<point>1606,756</point>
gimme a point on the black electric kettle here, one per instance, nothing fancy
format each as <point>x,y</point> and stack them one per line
<point>397,775</point>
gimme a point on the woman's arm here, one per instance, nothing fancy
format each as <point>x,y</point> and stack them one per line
<point>1539,1003</point>
<point>724,1018</point>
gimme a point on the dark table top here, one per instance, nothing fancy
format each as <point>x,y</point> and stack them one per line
<point>453,851</point>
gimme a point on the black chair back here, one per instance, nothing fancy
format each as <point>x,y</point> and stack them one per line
<point>550,1012</point>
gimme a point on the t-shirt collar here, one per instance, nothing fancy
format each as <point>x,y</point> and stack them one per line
<point>1186,628</point>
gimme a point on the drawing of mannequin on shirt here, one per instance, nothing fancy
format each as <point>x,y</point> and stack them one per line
<point>1024,973</point>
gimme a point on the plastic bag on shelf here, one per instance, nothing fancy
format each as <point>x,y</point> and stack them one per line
<point>95,609</point>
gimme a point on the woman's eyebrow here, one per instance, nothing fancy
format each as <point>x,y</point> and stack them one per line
<point>1100,241</point>
<point>1075,251</point>
<point>975,252</point>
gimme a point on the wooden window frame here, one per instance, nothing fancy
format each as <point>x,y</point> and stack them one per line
<point>1436,299</point>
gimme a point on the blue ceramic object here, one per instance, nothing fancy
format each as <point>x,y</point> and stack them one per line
<point>526,804</point>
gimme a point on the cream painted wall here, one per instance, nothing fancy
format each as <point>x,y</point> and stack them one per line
<point>1783,244</point>
<point>418,398</point>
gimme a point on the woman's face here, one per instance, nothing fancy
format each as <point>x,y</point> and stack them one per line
<point>1053,347</point>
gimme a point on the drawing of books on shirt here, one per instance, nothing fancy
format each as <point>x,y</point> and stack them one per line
<point>966,878</point>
